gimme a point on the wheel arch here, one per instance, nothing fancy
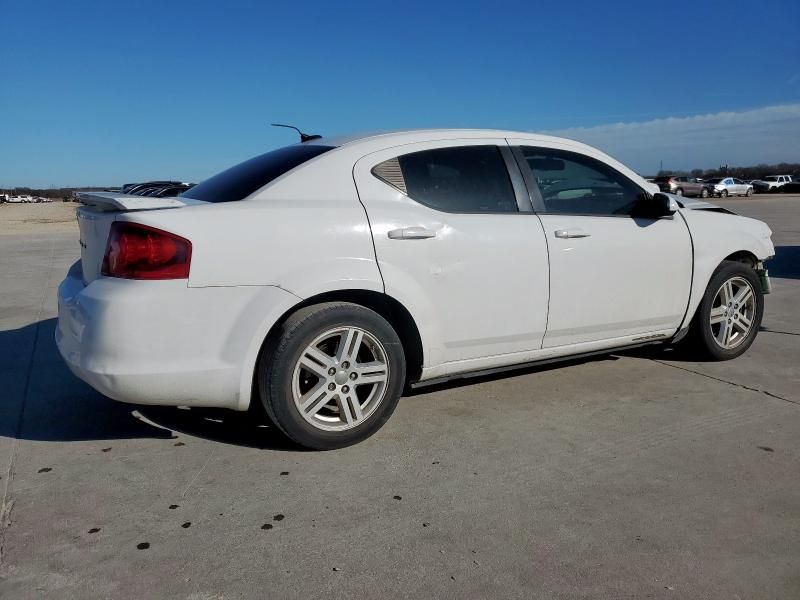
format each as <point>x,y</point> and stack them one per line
<point>743,256</point>
<point>388,307</point>
<point>699,285</point>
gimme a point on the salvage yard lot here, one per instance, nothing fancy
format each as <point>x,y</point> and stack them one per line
<point>634,475</point>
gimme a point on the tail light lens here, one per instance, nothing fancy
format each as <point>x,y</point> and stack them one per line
<point>137,251</point>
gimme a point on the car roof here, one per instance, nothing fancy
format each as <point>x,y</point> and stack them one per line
<point>358,145</point>
<point>423,135</point>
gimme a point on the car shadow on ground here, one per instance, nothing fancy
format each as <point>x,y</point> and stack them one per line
<point>43,401</point>
<point>251,429</point>
<point>786,263</point>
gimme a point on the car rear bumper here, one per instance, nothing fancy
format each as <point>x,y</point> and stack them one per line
<point>161,342</point>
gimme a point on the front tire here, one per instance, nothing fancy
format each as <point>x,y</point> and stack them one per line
<point>704,193</point>
<point>332,375</point>
<point>730,313</point>
<point>749,193</point>
<point>723,194</point>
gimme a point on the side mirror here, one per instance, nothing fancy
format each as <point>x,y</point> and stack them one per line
<point>655,206</point>
<point>665,205</point>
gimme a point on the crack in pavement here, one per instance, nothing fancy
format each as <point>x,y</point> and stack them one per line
<point>196,475</point>
<point>765,330</point>
<point>7,503</point>
<point>733,383</point>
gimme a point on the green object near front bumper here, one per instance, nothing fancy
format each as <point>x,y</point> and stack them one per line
<point>763,277</point>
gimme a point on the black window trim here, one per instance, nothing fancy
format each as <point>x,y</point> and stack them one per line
<point>515,176</point>
<point>536,195</point>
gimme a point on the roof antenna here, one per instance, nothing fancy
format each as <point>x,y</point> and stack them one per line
<point>304,137</point>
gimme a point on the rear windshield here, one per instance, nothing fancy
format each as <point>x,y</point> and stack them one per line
<point>245,178</point>
<point>715,180</point>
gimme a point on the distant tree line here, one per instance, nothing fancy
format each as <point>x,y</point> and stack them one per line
<point>756,172</point>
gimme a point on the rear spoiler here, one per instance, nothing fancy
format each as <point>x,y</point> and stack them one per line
<point>110,201</point>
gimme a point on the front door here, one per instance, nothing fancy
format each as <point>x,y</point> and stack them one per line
<point>613,275</point>
<point>454,247</point>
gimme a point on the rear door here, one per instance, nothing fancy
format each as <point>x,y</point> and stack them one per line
<point>457,245</point>
<point>612,275</point>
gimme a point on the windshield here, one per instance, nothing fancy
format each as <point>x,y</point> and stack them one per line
<point>771,178</point>
<point>661,178</point>
<point>240,181</point>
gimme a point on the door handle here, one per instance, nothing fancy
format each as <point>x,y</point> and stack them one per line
<point>571,233</point>
<point>411,233</point>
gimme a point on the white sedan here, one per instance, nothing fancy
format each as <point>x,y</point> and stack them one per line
<point>723,187</point>
<point>320,279</point>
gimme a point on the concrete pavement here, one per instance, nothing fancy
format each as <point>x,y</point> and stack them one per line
<point>636,475</point>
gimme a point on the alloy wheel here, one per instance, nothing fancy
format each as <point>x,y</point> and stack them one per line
<point>340,379</point>
<point>732,312</point>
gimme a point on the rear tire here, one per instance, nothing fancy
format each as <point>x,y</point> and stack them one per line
<point>727,321</point>
<point>749,193</point>
<point>679,192</point>
<point>332,375</point>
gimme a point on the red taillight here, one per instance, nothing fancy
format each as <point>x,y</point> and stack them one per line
<point>137,251</point>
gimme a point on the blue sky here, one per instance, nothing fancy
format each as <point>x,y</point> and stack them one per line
<point>109,92</point>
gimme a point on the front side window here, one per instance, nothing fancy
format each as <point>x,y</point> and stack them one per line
<point>471,179</point>
<point>573,183</point>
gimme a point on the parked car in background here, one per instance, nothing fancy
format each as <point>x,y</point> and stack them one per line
<point>682,186</point>
<point>173,191</point>
<point>722,187</point>
<point>775,182</point>
<point>320,279</point>
<point>759,186</point>
<point>138,188</point>
<point>793,187</point>
<point>156,188</point>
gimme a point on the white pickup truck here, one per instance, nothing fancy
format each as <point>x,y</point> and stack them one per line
<point>775,182</point>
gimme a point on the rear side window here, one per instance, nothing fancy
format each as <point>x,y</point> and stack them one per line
<point>472,179</point>
<point>245,178</point>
